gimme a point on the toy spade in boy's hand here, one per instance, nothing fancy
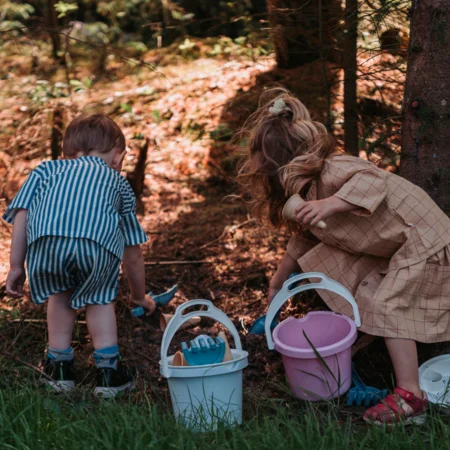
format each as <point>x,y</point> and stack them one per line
<point>289,213</point>
<point>160,300</point>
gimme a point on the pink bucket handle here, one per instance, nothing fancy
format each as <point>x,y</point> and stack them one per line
<point>288,291</point>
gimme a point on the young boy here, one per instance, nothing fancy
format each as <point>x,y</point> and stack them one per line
<point>74,222</point>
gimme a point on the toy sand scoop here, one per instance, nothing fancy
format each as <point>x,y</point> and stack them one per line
<point>204,396</point>
<point>290,206</point>
<point>316,349</point>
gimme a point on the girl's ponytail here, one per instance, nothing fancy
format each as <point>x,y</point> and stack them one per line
<point>287,149</point>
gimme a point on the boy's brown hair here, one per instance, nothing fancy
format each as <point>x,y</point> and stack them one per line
<point>88,133</point>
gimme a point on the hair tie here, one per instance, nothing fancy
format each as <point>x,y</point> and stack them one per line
<point>278,106</point>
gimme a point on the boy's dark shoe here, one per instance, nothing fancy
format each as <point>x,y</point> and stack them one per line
<point>111,382</point>
<point>61,374</point>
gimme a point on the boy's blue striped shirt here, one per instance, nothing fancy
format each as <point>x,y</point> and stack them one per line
<point>79,198</point>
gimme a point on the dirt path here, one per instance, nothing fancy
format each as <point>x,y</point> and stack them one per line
<point>188,118</point>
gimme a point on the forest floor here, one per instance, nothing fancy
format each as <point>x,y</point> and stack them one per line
<point>201,237</point>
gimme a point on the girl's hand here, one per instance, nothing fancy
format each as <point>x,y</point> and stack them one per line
<point>310,213</point>
<point>15,281</point>
<point>147,303</point>
<point>287,266</point>
<point>272,293</point>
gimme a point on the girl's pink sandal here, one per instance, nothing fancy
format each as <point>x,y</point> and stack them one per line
<point>401,407</point>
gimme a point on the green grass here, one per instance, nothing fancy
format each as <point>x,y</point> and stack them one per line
<point>31,418</point>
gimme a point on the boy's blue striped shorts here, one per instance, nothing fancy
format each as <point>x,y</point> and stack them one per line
<point>57,264</point>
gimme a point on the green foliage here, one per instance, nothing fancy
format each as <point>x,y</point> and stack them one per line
<point>13,14</point>
<point>222,133</point>
<point>136,47</point>
<point>156,115</point>
<point>249,46</point>
<point>189,49</point>
<point>44,90</point>
<point>94,33</point>
<point>135,15</point>
<point>126,107</point>
<point>15,11</point>
<point>81,85</point>
<point>33,419</point>
<point>63,9</point>
<point>380,15</point>
<point>181,16</point>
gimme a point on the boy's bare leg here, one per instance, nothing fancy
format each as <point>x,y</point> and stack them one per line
<point>102,325</point>
<point>112,377</point>
<point>60,321</point>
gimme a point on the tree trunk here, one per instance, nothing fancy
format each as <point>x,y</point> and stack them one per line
<point>167,16</point>
<point>52,23</point>
<point>302,30</point>
<point>425,157</point>
<point>350,76</point>
<point>56,135</point>
<point>137,177</point>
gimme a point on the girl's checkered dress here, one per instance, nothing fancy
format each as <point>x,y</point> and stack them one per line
<point>393,253</point>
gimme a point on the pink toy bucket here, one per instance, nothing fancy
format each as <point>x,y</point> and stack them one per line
<point>323,333</point>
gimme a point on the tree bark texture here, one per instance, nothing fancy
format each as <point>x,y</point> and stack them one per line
<point>56,135</point>
<point>137,177</point>
<point>350,78</point>
<point>425,157</point>
<point>303,30</point>
<point>52,21</point>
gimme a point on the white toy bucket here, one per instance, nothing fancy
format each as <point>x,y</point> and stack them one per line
<point>204,397</point>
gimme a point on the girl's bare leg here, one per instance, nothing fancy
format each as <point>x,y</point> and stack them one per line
<point>403,354</point>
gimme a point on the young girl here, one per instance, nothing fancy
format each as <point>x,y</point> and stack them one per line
<point>74,222</point>
<point>385,240</point>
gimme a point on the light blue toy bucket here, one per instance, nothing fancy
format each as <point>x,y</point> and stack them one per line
<point>204,397</point>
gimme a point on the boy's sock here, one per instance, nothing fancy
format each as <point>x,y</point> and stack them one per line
<point>60,355</point>
<point>107,358</point>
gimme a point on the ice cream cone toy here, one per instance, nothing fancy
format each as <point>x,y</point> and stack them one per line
<point>166,318</point>
<point>178,360</point>
<point>228,356</point>
<point>160,300</point>
<point>289,213</point>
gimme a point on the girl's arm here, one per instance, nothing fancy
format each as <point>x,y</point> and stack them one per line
<point>134,267</point>
<point>287,266</point>
<point>310,213</point>
<point>16,275</point>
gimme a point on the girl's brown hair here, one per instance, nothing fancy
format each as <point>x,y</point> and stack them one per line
<point>286,149</point>
<point>89,133</point>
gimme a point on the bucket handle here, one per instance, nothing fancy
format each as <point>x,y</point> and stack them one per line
<point>179,318</point>
<point>287,291</point>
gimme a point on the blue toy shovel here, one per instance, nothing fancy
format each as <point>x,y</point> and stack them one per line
<point>160,300</point>
<point>204,350</point>
<point>361,394</point>
<point>258,325</point>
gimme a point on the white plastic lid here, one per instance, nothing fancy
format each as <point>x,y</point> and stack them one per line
<point>434,379</point>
